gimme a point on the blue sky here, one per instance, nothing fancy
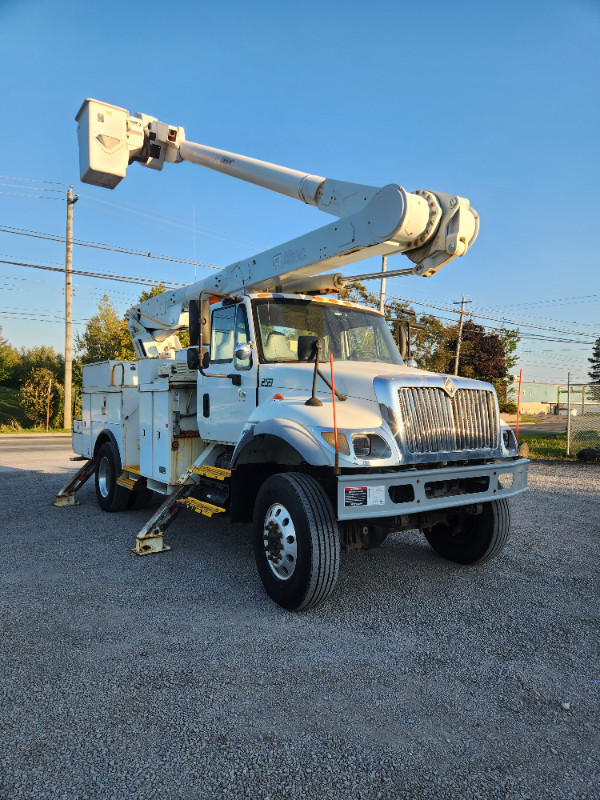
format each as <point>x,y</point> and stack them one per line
<point>496,102</point>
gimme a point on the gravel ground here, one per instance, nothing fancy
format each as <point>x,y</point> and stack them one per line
<point>174,676</point>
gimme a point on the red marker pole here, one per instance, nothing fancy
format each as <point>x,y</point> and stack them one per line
<point>335,430</point>
<point>519,403</point>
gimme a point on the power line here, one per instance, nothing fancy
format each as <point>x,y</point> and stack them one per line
<point>102,246</point>
<point>6,312</point>
<point>34,180</point>
<point>27,188</point>
<point>587,298</point>
<point>532,316</point>
<point>36,196</point>
<point>102,275</point>
<point>504,321</point>
<point>166,219</point>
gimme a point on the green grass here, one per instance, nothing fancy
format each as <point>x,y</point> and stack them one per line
<point>11,411</point>
<point>554,445</point>
<point>12,416</point>
<point>13,429</point>
<point>545,445</point>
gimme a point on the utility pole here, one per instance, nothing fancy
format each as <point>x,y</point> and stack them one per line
<point>382,291</point>
<point>568,413</point>
<point>48,405</point>
<point>460,330</point>
<point>67,419</point>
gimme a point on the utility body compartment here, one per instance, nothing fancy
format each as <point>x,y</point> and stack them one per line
<point>109,401</point>
<point>149,407</point>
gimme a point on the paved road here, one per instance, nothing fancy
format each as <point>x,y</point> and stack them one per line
<point>174,676</point>
<point>47,452</point>
<point>542,427</point>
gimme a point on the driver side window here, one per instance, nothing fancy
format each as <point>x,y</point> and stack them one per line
<point>229,329</point>
<point>221,339</point>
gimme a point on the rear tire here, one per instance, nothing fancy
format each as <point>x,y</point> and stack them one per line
<point>471,539</point>
<point>111,496</point>
<point>140,498</point>
<point>296,544</point>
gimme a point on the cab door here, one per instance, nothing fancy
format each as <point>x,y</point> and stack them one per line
<point>225,403</point>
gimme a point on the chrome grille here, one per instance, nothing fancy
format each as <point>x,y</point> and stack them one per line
<point>434,422</point>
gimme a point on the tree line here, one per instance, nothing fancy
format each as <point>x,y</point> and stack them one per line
<point>37,373</point>
<point>484,355</point>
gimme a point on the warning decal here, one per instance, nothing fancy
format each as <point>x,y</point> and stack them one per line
<point>355,496</point>
<point>364,496</point>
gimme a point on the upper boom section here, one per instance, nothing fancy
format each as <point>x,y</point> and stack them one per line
<point>431,228</point>
<point>110,140</point>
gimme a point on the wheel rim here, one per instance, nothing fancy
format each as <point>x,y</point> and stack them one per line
<point>104,477</point>
<point>279,541</point>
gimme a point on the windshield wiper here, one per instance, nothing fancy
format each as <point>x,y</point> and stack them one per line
<point>313,400</point>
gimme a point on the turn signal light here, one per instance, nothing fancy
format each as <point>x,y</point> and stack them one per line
<point>343,446</point>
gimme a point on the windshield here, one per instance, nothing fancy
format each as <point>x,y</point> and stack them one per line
<point>287,329</point>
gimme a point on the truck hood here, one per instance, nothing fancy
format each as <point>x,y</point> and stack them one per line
<point>352,378</point>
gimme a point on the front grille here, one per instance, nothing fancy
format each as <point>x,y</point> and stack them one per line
<point>434,422</point>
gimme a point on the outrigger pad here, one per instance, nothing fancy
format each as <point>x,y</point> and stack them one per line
<point>148,545</point>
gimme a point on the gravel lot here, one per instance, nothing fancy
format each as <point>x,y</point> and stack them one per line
<point>174,676</point>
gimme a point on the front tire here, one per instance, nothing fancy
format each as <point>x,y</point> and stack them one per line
<point>111,496</point>
<point>471,539</point>
<point>296,544</point>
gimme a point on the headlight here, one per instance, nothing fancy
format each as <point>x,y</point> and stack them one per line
<point>364,445</point>
<point>361,444</point>
<point>370,445</point>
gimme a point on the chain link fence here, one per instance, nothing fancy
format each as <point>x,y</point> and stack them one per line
<point>582,405</point>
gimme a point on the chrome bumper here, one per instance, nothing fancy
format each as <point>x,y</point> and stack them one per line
<point>387,494</point>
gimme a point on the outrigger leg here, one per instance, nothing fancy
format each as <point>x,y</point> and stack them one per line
<point>151,537</point>
<point>66,496</point>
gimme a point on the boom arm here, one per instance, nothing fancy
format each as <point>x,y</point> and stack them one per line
<point>431,228</point>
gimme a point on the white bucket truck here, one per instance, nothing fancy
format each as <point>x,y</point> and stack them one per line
<point>292,409</point>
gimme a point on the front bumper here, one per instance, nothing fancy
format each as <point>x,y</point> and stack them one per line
<point>380,495</point>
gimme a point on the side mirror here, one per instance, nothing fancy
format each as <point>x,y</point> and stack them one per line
<point>194,323</point>
<point>193,358</point>
<point>243,351</point>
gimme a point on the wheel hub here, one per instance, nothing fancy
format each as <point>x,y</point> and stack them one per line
<point>104,477</point>
<point>279,541</point>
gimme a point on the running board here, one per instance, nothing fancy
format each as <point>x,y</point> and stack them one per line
<point>216,473</point>
<point>126,483</point>
<point>151,537</point>
<point>66,496</point>
<point>201,507</point>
